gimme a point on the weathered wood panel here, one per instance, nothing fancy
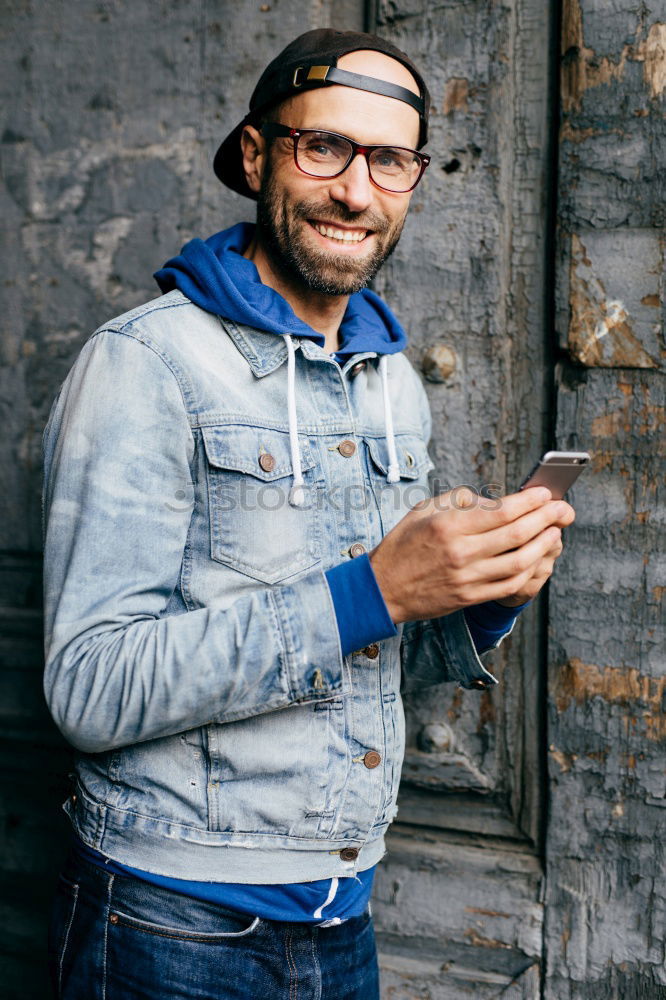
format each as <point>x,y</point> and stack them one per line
<point>606,878</point>
<point>457,918</point>
<point>470,279</point>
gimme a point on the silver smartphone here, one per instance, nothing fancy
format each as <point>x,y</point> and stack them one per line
<point>557,470</point>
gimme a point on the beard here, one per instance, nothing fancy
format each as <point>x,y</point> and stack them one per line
<point>280,226</point>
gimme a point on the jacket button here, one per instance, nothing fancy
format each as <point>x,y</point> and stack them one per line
<point>73,798</point>
<point>372,759</point>
<point>372,651</point>
<point>267,462</point>
<point>347,448</point>
<point>349,853</point>
<point>355,369</point>
<point>357,549</point>
<point>478,683</point>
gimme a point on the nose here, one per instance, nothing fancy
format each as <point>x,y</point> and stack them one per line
<point>353,187</point>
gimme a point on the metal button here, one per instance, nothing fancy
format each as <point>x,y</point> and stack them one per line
<point>113,919</point>
<point>347,448</point>
<point>349,853</point>
<point>478,683</point>
<point>355,369</point>
<point>372,759</point>
<point>357,549</point>
<point>267,462</point>
<point>73,798</point>
<point>372,651</point>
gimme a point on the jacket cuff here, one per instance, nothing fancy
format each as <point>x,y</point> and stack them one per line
<point>360,610</point>
<point>309,638</point>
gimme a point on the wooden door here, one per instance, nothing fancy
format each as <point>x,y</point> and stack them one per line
<point>459,898</point>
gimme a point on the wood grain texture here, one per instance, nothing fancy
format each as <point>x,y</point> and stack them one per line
<point>469,278</point>
<point>606,878</point>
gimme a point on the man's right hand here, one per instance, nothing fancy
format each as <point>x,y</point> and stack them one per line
<point>440,557</point>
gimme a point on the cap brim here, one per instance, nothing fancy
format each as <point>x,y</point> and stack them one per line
<point>228,162</point>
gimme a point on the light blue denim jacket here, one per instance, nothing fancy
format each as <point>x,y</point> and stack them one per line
<point>192,651</point>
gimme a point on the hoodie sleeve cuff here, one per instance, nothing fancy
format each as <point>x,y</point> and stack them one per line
<point>360,608</point>
<point>488,623</point>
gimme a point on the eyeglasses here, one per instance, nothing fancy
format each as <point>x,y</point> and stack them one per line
<point>327,154</point>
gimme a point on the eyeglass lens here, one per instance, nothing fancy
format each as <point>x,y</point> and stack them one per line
<point>323,155</point>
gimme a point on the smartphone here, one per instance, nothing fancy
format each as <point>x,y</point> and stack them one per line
<point>557,470</point>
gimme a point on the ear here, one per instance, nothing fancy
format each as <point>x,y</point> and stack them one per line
<point>253,148</point>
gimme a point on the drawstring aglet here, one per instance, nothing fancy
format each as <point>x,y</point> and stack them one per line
<point>297,495</point>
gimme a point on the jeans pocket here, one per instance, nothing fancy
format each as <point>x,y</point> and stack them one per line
<point>231,923</point>
<point>63,910</point>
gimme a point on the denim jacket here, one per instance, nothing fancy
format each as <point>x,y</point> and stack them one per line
<point>192,653</point>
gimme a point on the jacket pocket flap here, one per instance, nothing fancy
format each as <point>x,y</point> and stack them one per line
<point>261,452</point>
<point>413,457</point>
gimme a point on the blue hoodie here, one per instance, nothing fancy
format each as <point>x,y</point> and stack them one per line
<point>214,275</point>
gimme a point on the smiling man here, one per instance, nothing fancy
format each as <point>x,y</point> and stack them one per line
<point>244,570</point>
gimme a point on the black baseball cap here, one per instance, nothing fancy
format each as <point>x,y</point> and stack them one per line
<point>311,61</point>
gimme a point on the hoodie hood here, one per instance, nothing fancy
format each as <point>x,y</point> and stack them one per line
<point>215,276</point>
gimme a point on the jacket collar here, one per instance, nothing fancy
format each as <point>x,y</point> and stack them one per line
<point>264,352</point>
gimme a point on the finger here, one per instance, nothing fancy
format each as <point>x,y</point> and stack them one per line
<point>509,537</point>
<point>565,513</point>
<point>470,514</point>
<point>524,559</point>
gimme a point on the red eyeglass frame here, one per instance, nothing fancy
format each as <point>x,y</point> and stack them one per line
<point>273,130</point>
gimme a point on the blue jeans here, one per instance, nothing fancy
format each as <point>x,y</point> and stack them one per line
<point>115,937</point>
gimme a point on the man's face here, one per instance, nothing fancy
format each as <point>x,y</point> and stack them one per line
<point>331,235</point>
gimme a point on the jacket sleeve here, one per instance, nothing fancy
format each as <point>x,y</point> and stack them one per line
<point>118,669</point>
<point>437,650</point>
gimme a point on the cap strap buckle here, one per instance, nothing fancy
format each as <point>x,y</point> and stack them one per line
<point>313,73</point>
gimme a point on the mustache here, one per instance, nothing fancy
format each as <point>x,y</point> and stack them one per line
<point>333,212</point>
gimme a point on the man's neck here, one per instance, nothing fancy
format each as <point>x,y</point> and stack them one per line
<point>324,313</point>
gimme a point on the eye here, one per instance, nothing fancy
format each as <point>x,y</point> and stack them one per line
<point>318,147</point>
<point>322,146</point>
<point>388,158</point>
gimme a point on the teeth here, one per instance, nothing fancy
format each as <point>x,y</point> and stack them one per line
<point>345,235</point>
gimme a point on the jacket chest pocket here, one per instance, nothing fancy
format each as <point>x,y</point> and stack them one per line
<point>253,527</point>
<point>396,499</point>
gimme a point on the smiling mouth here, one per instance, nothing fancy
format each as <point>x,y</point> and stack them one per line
<point>341,235</point>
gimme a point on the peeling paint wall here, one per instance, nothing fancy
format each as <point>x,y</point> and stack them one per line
<point>606,872</point>
<point>111,114</point>
<point>469,277</point>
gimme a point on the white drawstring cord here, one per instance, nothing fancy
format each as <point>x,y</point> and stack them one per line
<point>393,474</point>
<point>296,493</point>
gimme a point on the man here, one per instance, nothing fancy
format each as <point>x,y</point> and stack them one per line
<point>236,589</point>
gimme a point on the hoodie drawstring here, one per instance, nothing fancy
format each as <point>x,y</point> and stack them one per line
<point>394,469</point>
<point>297,491</point>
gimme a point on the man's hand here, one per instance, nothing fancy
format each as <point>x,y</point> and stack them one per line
<point>440,558</point>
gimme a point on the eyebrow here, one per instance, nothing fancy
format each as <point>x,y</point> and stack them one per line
<point>327,128</point>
